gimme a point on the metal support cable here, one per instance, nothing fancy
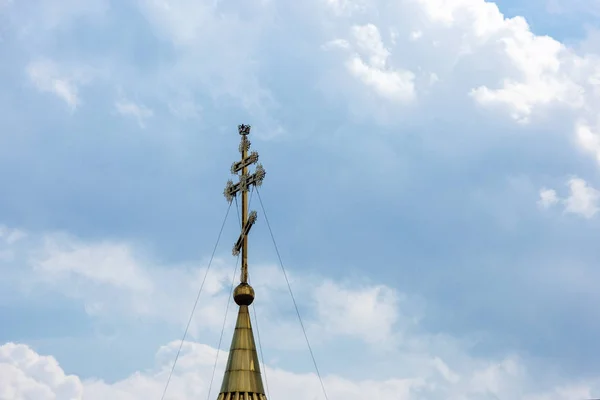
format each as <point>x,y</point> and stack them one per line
<point>195,304</point>
<point>223,328</point>
<point>262,355</point>
<point>292,294</point>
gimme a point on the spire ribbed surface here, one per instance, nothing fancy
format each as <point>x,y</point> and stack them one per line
<point>242,380</point>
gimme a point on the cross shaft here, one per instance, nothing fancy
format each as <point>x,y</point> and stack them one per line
<point>245,181</point>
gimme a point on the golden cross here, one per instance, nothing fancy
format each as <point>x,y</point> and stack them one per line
<point>245,181</point>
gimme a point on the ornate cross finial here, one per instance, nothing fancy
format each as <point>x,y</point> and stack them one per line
<point>244,292</point>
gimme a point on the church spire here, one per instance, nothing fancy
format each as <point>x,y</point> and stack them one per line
<point>242,380</point>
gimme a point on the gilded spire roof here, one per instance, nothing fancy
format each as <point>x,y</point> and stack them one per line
<point>242,374</point>
<point>242,379</point>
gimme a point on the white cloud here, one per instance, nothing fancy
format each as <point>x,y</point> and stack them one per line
<point>27,375</point>
<point>588,139</point>
<point>204,66</point>
<point>11,236</point>
<point>47,77</point>
<point>131,109</point>
<point>548,198</point>
<point>370,65</point>
<point>433,78</point>
<point>524,72</point>
<point>103,263</point>
<point>336,43</point>
<point>185,108</point>
<point>529,73</point>
<point>113,280</point>
<point>35,22</point>
<point>339,308</point>
<point>582,200</point>
<point>414,35</point>
<point>394,85</point>
<point>446,372</point>
<point>472,47</point>
<point>346,7</point>
<point>532,70</point>
<point>182,21</point>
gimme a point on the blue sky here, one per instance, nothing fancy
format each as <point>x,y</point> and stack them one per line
<point>432,182</point>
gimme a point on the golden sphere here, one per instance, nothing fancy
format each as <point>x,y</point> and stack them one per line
<point>243,295</point>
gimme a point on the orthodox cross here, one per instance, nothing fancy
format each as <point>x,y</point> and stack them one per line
<point>246,180</point>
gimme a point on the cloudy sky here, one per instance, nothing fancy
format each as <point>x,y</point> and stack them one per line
<point>432,184</point>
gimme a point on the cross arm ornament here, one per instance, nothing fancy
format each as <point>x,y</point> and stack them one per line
<point>231,189</point>
<point>246,162</point>
<point>245,231</point>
